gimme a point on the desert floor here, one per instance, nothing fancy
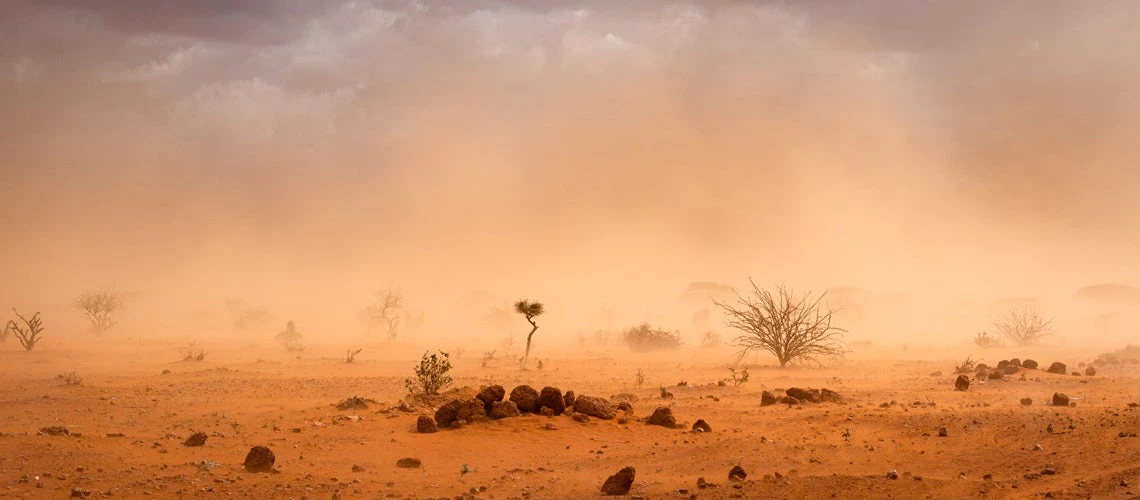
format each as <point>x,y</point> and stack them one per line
<point>128,421</point>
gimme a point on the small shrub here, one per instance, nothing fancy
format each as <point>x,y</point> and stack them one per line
<point>639,377</point>
<point>350,357</point>
<point>98,307</point>
<point>431,375</point>
<point>29,333</point>
<point>738,376</point>
<point>966,367</point>
<point>1023,326</point>
<point>487,358</point>
<point>70,378</point>
<point>644,338</point>
<point>987,341</point>
<point>290,338</point>
<point>189,353</point>
<point>710,339</point>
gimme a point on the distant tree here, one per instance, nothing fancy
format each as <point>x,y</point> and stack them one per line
<point>643,338</point>
<point>1023,326</point>
<point>290,338</point>
<point>98,307</point>
<point>529,310</point>
<point>29,333</point>
<point>791,328</point>
<point>386,308</point>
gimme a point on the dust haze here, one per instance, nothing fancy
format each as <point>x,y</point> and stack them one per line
<point>925,160</point>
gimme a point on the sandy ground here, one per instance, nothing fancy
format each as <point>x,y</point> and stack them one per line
<point>129,421</point>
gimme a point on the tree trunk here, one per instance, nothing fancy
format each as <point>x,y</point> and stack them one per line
<point>528,338</point>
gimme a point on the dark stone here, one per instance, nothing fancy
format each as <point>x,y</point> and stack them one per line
<point>625,406</point>
<point>595,407</point>
<point>196,439</point>
<point>259,459</point>
<point>448,413</point>
<point>1026,402</point>
<point>526,398</point>
<point>1060,399</point>
<point>737,474</point>
<point>942,432</point>
<point>1058,368</point>
<point>57,430</point>
<point>620,483</point>
<point>1011,369</point>
<point>1090,371</point>
<point>996,375</point>
<point>551,397</point>
<point>546,411</point>
<point>767,399</point>
<point>805,395</point>
<point>580,417</point>
<point>489,395</point>
<point>504,409</point>
<point>830,396</point>
<point>1029,364</point>
<point>962,383</point>
<point>1015,362</point>
<point>702,426</point>
<point>408,463</point>
<point>426,425</point>
<point>1002,364</point>
<point>568,400</point>
<point>472,411</point>
<point>788,400</point>
<point>662,416</point>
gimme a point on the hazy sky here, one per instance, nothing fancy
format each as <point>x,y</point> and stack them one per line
<point>586,151</point>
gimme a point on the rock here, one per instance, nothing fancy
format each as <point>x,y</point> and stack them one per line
<point>1029,364</point>
<point>408,463</point>
<point>551,397</point>
<point>892,474</point>
<point>471,410</point>
<point>504,409</point>
<point>788,400</point>
<point>426,425</point>
<point>620,483</point>
<point>526,398</point>
<point>1076,374</point>
<point>489,395</point>
<point>259,459</point>
<point>830,396</point>
<point>768,399</point>
<point>57,430</point>
<point>1090,371</point>
<point>1010,369</point>
<point>702,426</point>
<point>625,406</point>
<point>805,395</point>
<point>662,416</point>
<point>1058,368</point>
<point>1026,401</point>
<point>995,375</point>
<point>942,432</point>
<point>1002,364</point>
<point>1015,362</point>
<point>196,439</point>
<point>80,493</point>
<point>701,483</point>
<point>580,417</point>
<point>546,411</point>
<point>962,383</point>
<point>448,412</point>
<point>568,400</point>
<point>595,407</point>
<point>1060,399</point>
<point>737,474</point>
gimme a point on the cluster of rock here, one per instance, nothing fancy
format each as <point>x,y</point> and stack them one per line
<point>493,403</point>
<point>797,395</point>
<point>1011,366</point>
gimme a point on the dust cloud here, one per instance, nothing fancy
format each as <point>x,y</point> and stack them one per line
<point>925,160</point>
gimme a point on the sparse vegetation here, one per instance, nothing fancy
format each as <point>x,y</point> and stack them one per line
<point>966,367</point>
<point>792,329</point>
<point>29,333</point>
<point>639,377</point>
<point>644,338</point>
<point>70,378</point>
<point>189,353</point>
<point>99,307</point>
<point>710,339</point>
<point>350,356</point>
<point>1023,326</point>
<point>387,304</point>
<point>290,338</point>
<point>986,341</point>
<point>529,310</point>
<point>487,358</point>
<point>739,375</point>
<point>431,375</point>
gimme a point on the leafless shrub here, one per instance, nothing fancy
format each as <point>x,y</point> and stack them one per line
<point>189,353</point>
<point>644,338</point>
<point>290,338</point>
<point>986,341</point>
<point>70,378</point>
<point>98,307</point>
<point>639,377</point>
<point>431,375</point>
<point>1023,326</point>
<point>386,308</point>
<point>790,328</point>
<point>487,358</point>
<point>529,310</point>
<point>710,339</point>
<point>966,367</point>
<point>739,375</point>
<point>29,333</point>
<point>350,357</point>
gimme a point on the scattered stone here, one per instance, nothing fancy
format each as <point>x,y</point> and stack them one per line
<point>595,407</point>
<point>580,417</point>
<point>830,396</point>
<point>196,439</point>
<point>1029,364</point>
<point>737,474</point>
<point>768,399</point>
<point>259,459</point>
<point>1026,401</point>
<point>354,403</point>
<point>551,397</point>
<point>1058,368</point>
<point>546,411</point>
<point>489,395</point>
<point>1002,364</point>
<point>1090,371</point>
<point>526,398</point>
<point>471,410</point>
<point>701,483</point>
<point>962,383</point>
<point>1015,362</point>
<point>1038,447</point>
<point>619,483</point>
<point>892,474</point>
<point>57,430</point>
<point>625,406</point>
<point>1048,471</point>
<point>996,375</point>
<point>942,432</point>
<point>80,493</point>
<point>805,395</point>
<point>1060,399</point>
<point>568,400</point>
<point>426,425</point>
<point>1076,374</point>
<point>1011,369</point>
<point>504,409</point>
<point>702,426</point>
<point>408,463</point>
<point>448,413</point>
<point>662,416</point>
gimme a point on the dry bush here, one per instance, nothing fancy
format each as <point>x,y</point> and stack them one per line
<point>386,308</point>
<point>987,341</point>
<point>98,307</point>
<point>290,338</point>
<point>710,339</point>
<point>739,375</point>
<point>29,333</point>
<point>350,356</point>
<point>70,378</point>
<point>643,338</point>
<point>189,353</point>
<point>639,377</point>
<point>966,367</point>
<point>790,328</point>
<point>431,375</point>
<point>529,310</point>
<point>1023,326</point>
<point>487,358</point>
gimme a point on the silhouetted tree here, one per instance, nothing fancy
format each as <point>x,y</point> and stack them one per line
<point>790,328</point>
<point>97,307</point>
<point>1023,326</point>
<point>529,310</point>
<point>386,308</point>
<point>29,333</point>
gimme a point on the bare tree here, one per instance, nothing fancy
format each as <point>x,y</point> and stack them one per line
<point>29,333</point>
<point>97,307</point>
<point>529,310</point>
<point>388,304</point>
<point>350,357</point>
<point>290,338</point>
<point>791,328</point>
<point>1023,326</point>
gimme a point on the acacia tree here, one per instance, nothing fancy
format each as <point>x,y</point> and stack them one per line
<point>1023,326</point>
<point>529,310</point>
<point>29,333</point>
<point>387,306</point>
<point>97,307</point>
<point>791,328</point>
